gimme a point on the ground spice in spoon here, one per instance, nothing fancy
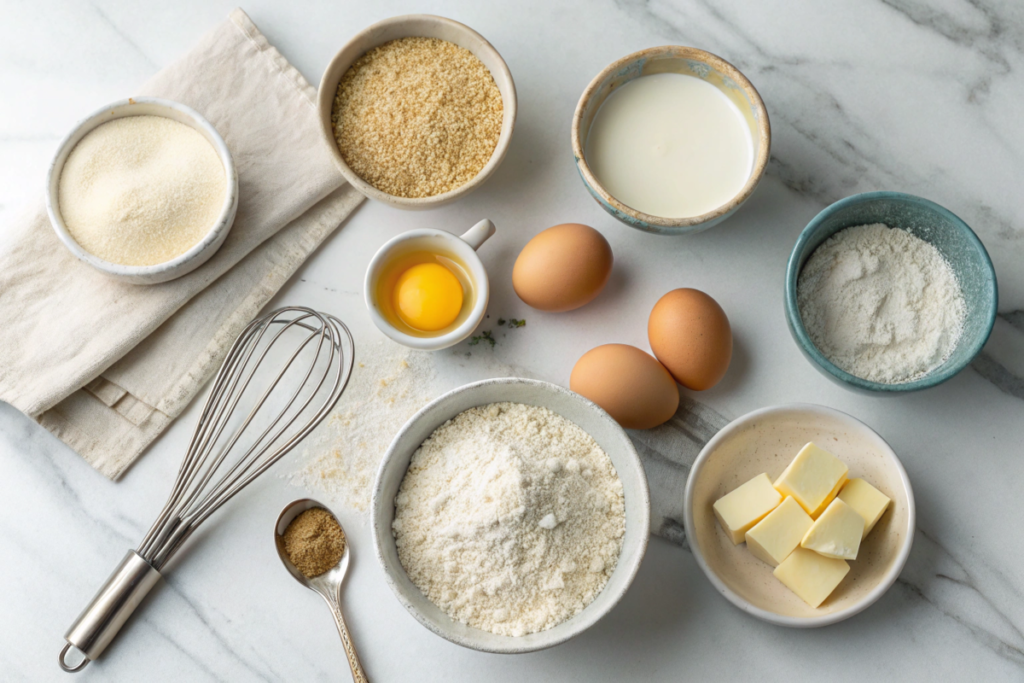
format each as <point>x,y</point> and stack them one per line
<point>314,542</point>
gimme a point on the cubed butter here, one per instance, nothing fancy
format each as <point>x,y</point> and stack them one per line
<point>865,499</point>
<point>745,506</point>
<point>813,479</point>
<point>836,533</point>
<point>773,538</point>
<point>811,576</point>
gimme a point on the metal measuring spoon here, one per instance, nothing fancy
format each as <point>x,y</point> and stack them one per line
<point>328,584</point>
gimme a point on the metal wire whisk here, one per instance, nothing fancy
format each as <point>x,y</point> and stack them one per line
<point>252,418</point>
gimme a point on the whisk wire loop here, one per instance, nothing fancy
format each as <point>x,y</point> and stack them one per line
<point>224,457</point>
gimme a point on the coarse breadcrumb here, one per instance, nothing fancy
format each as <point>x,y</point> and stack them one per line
<point>417,117</point>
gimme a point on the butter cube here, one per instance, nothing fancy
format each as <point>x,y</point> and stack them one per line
<point>811,576</point>
<point>773,538</point>
<point>865,499</point>
<point>813,479</point>
<point>745,506</point>
<point>836,533</point>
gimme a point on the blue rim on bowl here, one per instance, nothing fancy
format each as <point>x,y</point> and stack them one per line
<point>940,227</point>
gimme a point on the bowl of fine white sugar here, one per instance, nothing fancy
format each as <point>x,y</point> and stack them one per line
<point>144,190</point>
<point>888,293</point>
<point>510,515</point>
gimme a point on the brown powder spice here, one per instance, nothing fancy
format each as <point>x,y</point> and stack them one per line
<point>314,542</point>
<point>417,117</point>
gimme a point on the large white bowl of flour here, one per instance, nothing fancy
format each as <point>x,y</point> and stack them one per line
<point>583,413</point>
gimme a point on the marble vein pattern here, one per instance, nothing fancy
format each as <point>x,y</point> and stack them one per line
<point>910,95</point>
<point>932,573</point>
<point>829,142</point>
<point>668,452</point>
<point>1002,360</point>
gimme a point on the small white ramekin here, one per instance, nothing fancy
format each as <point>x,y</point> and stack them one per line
<point>201,252</point>
<point>464,247</point>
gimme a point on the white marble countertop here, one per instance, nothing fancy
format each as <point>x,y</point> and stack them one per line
<point>862,95</point>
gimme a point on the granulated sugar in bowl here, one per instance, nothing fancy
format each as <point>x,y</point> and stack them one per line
<point>141,190</point>
<point>417,117</point>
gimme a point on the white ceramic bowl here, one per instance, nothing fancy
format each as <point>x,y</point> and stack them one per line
<point>766,440</point>
<point>201,252</point>
<point>426,26</point>
<point>464,247</point>
<point>593,420</point>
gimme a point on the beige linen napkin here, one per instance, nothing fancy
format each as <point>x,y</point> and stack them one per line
<point>105,365</point>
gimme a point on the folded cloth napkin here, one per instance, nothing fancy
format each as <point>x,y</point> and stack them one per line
<point>105,365</point>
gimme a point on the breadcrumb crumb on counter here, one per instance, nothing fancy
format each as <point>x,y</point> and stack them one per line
<point>417,117</point>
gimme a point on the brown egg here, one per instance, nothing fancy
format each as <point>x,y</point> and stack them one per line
<point>562,268</point>
<point>690,334</point>
<point>634,388</point>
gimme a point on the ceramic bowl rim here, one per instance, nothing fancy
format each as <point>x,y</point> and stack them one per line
<point>448,339</point>
<point>631,570</point>
<point>742,603</point>
<point>660,224</point>
<point>327,90</point>
<point>212,239</point>
<point>803,339</point>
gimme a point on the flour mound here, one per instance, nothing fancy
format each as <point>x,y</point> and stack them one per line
<point>510,518</point>
<point>881,304</point>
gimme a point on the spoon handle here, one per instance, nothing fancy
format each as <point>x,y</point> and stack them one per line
<point>358,676</point>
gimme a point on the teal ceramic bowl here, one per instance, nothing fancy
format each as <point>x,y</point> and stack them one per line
<point>691,62</point>
<point>924,219</point>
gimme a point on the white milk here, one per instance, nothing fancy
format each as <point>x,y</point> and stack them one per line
<point>670,145</point>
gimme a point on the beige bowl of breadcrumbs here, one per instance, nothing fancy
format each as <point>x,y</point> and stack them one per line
<point>417,110</point>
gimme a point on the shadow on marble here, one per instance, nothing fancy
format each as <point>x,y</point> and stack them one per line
<point>740,366</point>
<point>617,288</point>
<point>667,453</point>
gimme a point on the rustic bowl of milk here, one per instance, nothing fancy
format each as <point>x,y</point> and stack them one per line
<point>671,140</point>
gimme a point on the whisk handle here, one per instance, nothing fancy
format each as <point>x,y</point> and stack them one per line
<point>98,623</point>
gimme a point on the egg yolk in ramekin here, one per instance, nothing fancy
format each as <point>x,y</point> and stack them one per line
<point>428,297</point>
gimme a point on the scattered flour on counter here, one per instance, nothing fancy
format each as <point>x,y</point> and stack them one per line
<point>389,384</point>
<point>881,304</point>
<point>510,518</point>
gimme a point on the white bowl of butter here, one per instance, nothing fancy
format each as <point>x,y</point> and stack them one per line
<point>766,441</point>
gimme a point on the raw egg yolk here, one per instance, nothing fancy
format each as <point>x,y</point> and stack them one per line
<point>428,297</point>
